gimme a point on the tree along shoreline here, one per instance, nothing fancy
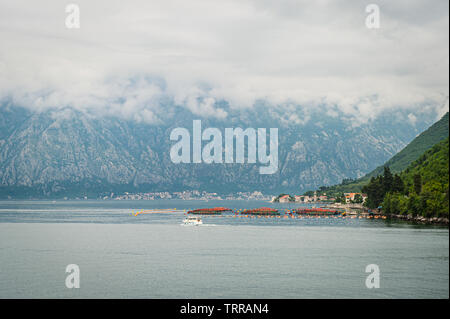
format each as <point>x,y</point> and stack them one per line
<point>421,219</point>
<point>421,190</point>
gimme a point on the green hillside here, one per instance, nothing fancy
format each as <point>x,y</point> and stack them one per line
<point>431,166</point>
<point>433,135</point>
<point>423,189</point>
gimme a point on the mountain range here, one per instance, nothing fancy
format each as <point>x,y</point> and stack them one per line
<point>65,152</point>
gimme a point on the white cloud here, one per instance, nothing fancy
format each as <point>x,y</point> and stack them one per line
<point>442,109</point>
<point>128,55</point>
<point>412,118</point>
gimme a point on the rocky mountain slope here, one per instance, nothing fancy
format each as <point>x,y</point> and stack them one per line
<point>436,133</point>
<point>68,153</point>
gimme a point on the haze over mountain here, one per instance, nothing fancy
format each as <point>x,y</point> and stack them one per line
<point>433,135</point>
<point>88,109</point>
<point>127,59</point>
<point>70,153</point>
<point>436,133</point>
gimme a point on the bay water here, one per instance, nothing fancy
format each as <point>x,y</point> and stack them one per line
<point>121,255</point>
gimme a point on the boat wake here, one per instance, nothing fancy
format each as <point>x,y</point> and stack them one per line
<point>202,225</point>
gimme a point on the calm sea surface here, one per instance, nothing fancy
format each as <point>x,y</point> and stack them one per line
<point>155,256</point>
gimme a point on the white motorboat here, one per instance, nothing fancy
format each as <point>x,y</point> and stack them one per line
<point>193,220</point>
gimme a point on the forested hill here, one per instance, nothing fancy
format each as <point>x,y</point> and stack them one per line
<point>423,142</point>
<point>432,166</point>
<point>423,189</point>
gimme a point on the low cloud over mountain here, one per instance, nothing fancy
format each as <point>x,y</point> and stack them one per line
<point>127,58</point>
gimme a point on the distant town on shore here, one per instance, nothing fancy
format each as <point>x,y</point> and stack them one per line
<point>313,197</point>
<point>307,197</point>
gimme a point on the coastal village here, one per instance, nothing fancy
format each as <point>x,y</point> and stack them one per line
<point>255,195</point>
<point>189,195</point>
<point>356,198</point>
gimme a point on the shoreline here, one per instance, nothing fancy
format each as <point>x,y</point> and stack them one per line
<point>421,220</point>
<point>442,221</point>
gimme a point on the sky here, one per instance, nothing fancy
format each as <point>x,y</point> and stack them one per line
<point>128,56</point>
